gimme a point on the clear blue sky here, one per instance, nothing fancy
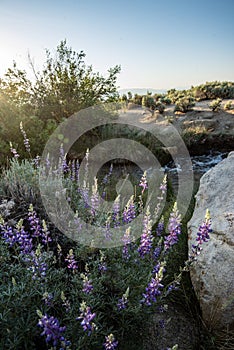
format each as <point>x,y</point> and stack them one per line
<point>159,44</point>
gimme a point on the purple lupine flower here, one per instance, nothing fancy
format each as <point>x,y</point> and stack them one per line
<point>13,151</point>
<point>87,284</point>
<point>66,303</point>
<point>24,240</point>
<point>153,288</point>
<point>129,212</point>
<point>143,183</point>
<point>123,302</point>
<point>116,211</point>
<point>146,237</point>
<point>18,236</point>
<point>174,228</point>
<point>204,230</point>
<point>38,266</point>
<point>110,343</point>
<point>84,192</point>
<point>48,298</point>
<point>127,241</point>
<point>160,227</point>
<point>36,161</point>
<point>77,168</point>
<point>173,286</point>
<point>161,323</point>
<point>45,233</point>
<point>8,234</point>
<point>73,171</point>
<point>203,236</point>
<point>163,188</point>
<point>86,318</point>
<point>64,166</point>
<point>102,265</point>
<point>94,198</point>
<point>107,229</point>
<point>157,252</point>
<point>70,259</point>
<point>162,308</point>
<point>106,177</point>
<point>156,268</point>
<point>26,140</point>
<point>34,222</point>
<point>51,329</point>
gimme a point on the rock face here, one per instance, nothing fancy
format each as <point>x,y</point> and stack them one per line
<point>213,274</point>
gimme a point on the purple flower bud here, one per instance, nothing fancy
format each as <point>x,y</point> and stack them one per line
<point>111,343</point>
<point>51,329</point>
<point>174,228</point>
<point>153,288</point>
<point>129,212</point>
<point>143,183</point>
<point>86,318</point>
<point>87,284</point>
<point>146,237</point>
<point>71,262</point>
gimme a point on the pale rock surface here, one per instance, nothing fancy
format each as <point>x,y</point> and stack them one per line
<point>213,274</point>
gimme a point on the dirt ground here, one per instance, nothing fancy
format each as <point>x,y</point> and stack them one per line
<point>200,119</point>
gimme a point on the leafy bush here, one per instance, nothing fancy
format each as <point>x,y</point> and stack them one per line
<point>228,105</point>
<point>165,100</point>
<point>215,105</point>
<point>63,87</point>
<point>148,101</point>
<point>159,106</point>
<point>213,90</point>
<point>184,104</point>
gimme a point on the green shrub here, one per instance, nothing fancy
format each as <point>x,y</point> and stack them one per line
<point>159,106</point>
<point>149,102</point>
<point>215,105</point>
<point>184,104</point>
<point>228,105</point>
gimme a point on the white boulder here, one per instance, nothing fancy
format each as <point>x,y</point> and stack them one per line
<point>213,274</point>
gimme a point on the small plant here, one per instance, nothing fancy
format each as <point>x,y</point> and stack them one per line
<point>149,102</point>
<point>184,104</point>
<point>159,106</point>
<point>215,105</point>
<point>228,105</point>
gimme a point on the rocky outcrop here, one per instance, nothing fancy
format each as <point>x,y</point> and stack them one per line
<point>213,274</point>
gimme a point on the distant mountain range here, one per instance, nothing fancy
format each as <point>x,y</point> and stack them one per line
<point>144,91</point>
<point>141,91</point>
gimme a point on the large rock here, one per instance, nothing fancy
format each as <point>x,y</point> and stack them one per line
<point>213,274</point>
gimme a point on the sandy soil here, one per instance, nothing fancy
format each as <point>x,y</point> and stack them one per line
<point>216,123</point>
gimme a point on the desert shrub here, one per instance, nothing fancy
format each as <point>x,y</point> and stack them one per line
<point>159,106</point>
<point>165,100</point>
<point>184,104</point>
<point>215,105</point>
<point>149,102</point>
<point>213,90</point>
<point>20,182</point>
<point>228,105</point>
<point>137,99</point>
<point>63,87</point>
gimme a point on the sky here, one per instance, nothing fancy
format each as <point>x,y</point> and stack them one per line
<point>159,44</point>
